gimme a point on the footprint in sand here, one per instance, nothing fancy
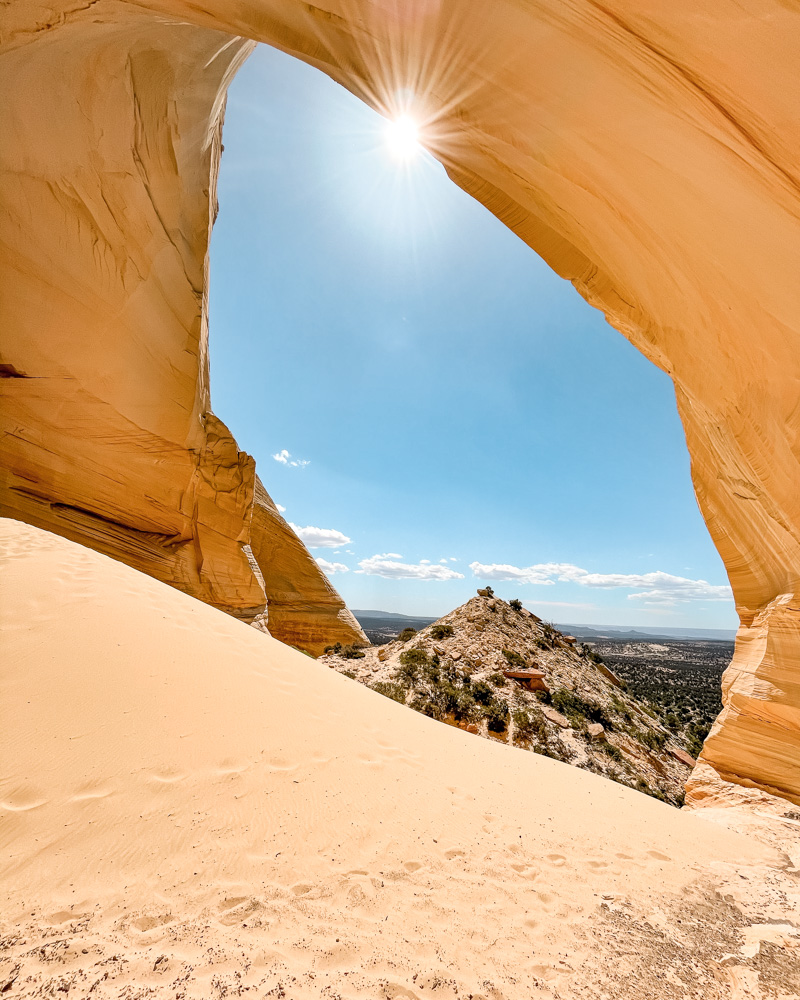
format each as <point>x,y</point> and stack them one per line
<point>301,889</point>
<point>148,923</point>
<point>454,853</point>
<point>556,860</point>
<point>659,856</point>
<point>22,799</point>
<point>412,866</point>
<point>395,991</point>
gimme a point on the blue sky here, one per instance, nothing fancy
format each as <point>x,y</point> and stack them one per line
<point>411,377</point>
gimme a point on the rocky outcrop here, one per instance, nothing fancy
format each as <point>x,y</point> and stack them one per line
<point>304,609</point>
<point>648,152</point>
<point>497,670</point>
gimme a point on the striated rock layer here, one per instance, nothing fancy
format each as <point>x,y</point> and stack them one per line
<point>111,146</point>
<point>647,152</point>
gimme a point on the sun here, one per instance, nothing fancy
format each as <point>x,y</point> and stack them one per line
<point>402,137</point>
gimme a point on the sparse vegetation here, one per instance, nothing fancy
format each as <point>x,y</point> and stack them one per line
<point>391,690</point>
<point>611,751</point>
<point>470,689</point>
<point>352,652</point>
<point>652,739</point>
<point>529,726</point>
<point>440,631</point>
<point>579,710</point>
<point>680,682</point>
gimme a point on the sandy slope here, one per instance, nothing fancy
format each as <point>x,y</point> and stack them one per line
<point>189,807</point>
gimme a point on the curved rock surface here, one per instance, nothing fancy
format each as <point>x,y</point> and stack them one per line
<point>647,152</point>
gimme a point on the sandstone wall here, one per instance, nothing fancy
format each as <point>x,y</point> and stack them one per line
<point>111,141</point>
<point>647,151</point>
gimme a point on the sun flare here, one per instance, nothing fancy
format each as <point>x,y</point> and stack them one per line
<point>402,137</point>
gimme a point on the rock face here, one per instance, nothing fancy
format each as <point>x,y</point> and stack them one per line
<point>304,609</point>
<point>108,434</point>
<point>648,152</point>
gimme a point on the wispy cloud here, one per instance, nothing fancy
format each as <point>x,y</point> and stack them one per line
<point>387,566</point>
<point>650,588</point>
<point>331,567</point>
<point>281,508</point>
<point>320,538</point>
<point>285,458</point>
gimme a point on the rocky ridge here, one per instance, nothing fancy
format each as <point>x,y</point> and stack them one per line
<point>495,669</point>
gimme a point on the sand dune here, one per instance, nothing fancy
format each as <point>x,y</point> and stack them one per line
<point>190,808</point>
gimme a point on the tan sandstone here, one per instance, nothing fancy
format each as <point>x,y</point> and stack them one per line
<point>647,151</point>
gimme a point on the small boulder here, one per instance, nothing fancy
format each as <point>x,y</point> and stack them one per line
<point>553,716</point>
<point>682,756</point>
<point>596,731</point>
<point>383,653</point>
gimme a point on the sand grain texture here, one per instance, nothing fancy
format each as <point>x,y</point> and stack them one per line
<point>189,808</point>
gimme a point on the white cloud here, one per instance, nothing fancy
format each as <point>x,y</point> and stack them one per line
<point>654,588</point>
<point>320,538</point>
<point>281,508</point>
<point>285,458</point>
<point>332,567</point>
<point>386,566</point>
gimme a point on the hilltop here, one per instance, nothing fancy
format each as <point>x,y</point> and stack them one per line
<point>495,669</point>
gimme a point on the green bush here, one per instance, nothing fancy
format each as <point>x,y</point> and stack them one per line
<point>412,662</point>
<point>496,715</point>
<point>406,634</point>
<point>514,659</point>
<point>337,648</point>
<point>652,739</point>
<point>529,726</point>
<point>613,752</point>
<point>498,680</point>
<point>391,690</point>
<point>482,693</point>
<point>441,632</point>
<point>353,653</point>
<point>516,604</point>
<point>427,706</point>
<point>578,709</point>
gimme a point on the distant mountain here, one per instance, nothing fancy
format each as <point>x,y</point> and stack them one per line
<point>389,614</point>
<point>643,633</point>
<point>383,626</point>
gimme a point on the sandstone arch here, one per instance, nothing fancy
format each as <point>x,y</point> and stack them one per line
<point>647,152</point>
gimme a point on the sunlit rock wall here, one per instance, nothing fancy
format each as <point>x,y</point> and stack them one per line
<point>111,140</point>
<point>647,151</point>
